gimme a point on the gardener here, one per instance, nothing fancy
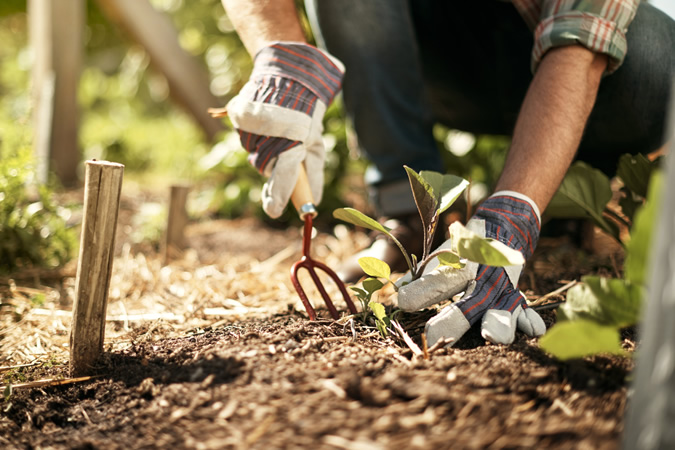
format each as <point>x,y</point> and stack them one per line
<point>566,79</point>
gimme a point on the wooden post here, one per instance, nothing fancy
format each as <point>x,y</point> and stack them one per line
<point>56,38</point>
<point>174,240</point>
<point>188,80</point>
<point>103,185</point>
<point>651,409</point>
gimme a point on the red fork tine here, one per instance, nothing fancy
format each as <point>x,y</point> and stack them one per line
<point>311,265</point>
<point>302,199</point>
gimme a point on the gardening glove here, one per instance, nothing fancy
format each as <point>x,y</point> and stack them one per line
<point>490,293</point>
<point>279,113</point>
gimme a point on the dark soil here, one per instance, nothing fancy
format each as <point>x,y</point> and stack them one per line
<point>282,381</point>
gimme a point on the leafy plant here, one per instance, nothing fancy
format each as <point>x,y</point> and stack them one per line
<point>33,229</point>
<point>586,192</point>
<point>375,269</point>
<point>596,310</point>
<point>434,193</point>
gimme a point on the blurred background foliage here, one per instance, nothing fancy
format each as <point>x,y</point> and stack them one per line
<point>127,115</point>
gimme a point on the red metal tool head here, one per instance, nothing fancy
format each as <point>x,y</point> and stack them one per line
<point>311,265</point>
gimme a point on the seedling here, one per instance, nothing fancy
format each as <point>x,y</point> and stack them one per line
<point>376,269</point>
<point>434,193</point>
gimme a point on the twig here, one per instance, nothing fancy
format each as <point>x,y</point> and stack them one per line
<point>441,344</point>
<point>425,346</point>
<point>335,338</point>
<point>86,416</point>
<point>51,382</point>
<point>6,368</point>
<point>558,291</point>
<point>406,338</point>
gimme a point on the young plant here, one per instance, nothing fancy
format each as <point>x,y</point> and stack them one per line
<point>375,269</point>
<point>585,193</point>
<point>434,193</point>
<point>590,320</point>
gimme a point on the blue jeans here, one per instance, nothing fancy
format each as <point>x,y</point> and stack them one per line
<point>413,63</point>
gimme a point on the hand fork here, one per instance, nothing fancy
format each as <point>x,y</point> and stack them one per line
<point>304,203</point>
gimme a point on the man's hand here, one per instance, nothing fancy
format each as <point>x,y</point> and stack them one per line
<point>490,293</point>
<point>279,114</point>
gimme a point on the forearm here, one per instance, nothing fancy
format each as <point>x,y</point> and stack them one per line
<point>259,22</point>
<point>551,122</point>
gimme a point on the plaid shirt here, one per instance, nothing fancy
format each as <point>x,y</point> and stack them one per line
<point>599,25</point>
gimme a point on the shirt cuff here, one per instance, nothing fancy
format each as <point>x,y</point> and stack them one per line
<point>596,33</point>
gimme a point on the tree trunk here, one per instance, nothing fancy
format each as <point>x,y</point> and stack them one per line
<point>56,37</point>
<point>188,80</point>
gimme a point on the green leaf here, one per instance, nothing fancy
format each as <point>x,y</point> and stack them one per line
<point>8,392</point>
<point>608,301</point>
<point>568,340</point>
<point>356,217</point>
<point>483,250</point>
<point>447,188</point>
<point>427,205</point>
<point>423,192</point>
<point>635,171</point>
<point>640,244</point>
<point>584,192</point>
<point>378,310</point>
<point>375,267</point>
<point>448,258</point>
<point>372,285</point>
<point>360,292</point>
<point>630,203</point>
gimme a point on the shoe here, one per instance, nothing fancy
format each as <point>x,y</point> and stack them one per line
<point>408,230</point>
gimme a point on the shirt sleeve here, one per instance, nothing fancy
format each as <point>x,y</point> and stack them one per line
<point>598,25</point>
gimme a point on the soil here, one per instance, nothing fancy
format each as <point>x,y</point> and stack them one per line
<point>267,377</point>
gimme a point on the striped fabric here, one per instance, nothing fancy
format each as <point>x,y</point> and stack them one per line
<point>293,76</point>
<point>599,25</point>
<point>262,149</point>
<point>513,222</point>
<point>302,63</point>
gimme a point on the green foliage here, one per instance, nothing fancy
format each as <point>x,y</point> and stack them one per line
<point>375,267</point>
<point>635,171</point>
<point>382,321</point>
<point>486,251</point>
<point>596,310</point>
<point>584,192</point>
<point>478,158</point>
<point>32,227</point>
<point>568,340</point>
<point>433,193</point>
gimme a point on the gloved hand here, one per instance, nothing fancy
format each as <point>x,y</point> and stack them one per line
<point>490,293</point>
<point>279,114</point>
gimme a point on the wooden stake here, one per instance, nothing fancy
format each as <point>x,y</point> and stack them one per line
<point>174,241</point>
<point>103,185</point>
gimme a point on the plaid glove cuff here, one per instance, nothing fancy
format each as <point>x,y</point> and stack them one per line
<point>286,71</point>
<point>513,219</point>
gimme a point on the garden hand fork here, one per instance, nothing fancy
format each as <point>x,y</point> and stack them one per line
<point>304,203</point>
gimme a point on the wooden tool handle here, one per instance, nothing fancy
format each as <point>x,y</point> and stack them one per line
<point>302,195</point>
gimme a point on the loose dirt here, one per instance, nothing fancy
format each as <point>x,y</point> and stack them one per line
<point>213,350</point>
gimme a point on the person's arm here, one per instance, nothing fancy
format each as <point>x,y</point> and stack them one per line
<point>551,122</point>
<point>260,22</point>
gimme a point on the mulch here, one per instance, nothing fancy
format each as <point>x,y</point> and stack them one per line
<point>214,350</point>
